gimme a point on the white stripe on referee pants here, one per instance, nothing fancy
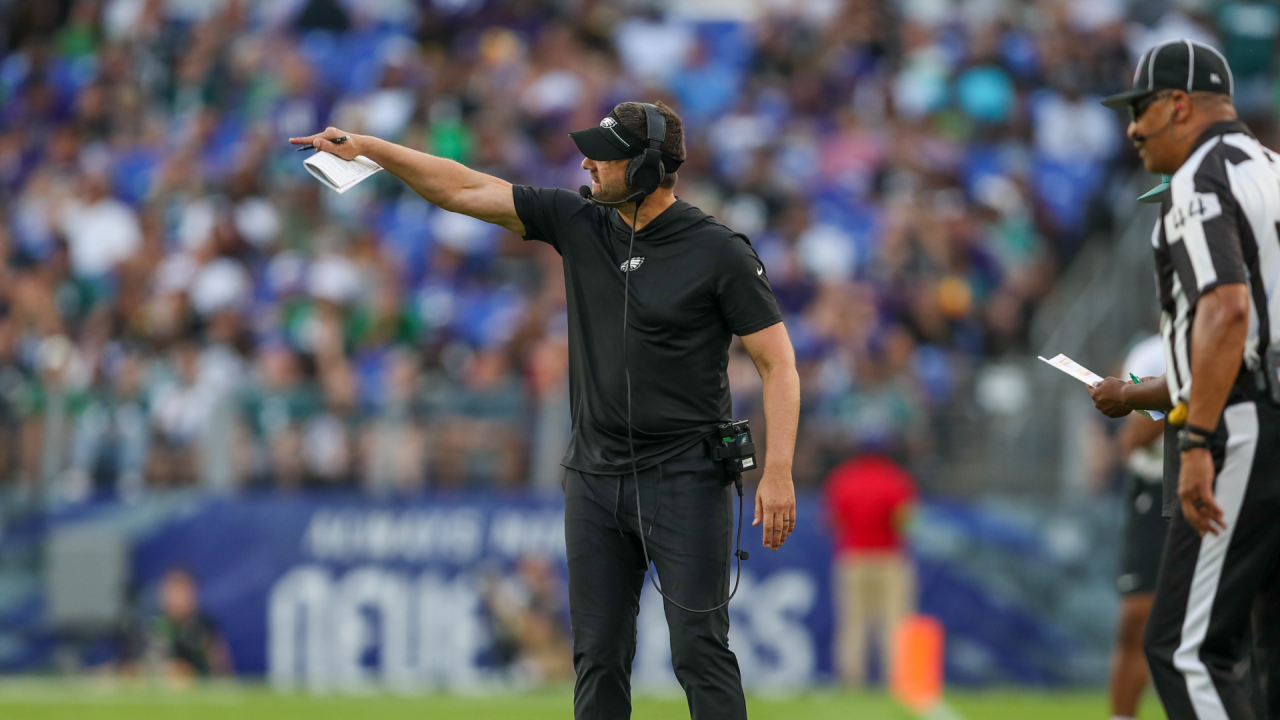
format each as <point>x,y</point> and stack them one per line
<point>1242,440</point>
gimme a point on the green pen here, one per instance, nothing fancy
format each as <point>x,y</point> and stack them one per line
<point>1136,381</point>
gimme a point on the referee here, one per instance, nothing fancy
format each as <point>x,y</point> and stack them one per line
<point>640,481</point>
<point>1217,256</point>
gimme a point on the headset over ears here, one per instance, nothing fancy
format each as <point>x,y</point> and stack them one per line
<point>645,172</point>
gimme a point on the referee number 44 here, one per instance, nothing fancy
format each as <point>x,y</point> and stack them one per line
<point>1201,208</point>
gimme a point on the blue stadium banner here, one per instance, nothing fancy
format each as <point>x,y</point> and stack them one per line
<point>362,594</point>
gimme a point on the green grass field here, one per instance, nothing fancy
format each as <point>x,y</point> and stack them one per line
<point>50,700</point>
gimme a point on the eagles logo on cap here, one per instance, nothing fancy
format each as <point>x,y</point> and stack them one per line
<point>611,140</point>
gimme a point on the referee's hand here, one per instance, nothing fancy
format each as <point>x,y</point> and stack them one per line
<point>1195,489</point>
<point>1108,397</point>
<point>776,506</point>
<point>347,150</point>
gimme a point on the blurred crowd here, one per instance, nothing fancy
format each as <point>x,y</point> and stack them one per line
<point>181,304</point>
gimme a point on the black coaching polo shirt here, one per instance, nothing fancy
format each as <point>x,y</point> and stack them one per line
<point>694,284</point>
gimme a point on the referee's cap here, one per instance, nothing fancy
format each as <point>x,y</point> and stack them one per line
<point>1177,65</point>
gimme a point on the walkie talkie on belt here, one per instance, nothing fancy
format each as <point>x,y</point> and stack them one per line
<point>735,448</point>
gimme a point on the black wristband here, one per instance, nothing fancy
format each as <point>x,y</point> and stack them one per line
<point>1197,430</point>
<point>1185,441</point>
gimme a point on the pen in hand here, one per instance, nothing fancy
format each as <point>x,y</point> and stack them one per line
<point>335,141</point>
<point>1136,381</point>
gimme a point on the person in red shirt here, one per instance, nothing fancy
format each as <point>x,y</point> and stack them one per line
<point>868,500</point>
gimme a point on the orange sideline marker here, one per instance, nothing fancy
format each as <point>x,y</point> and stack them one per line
<point>915,678</point>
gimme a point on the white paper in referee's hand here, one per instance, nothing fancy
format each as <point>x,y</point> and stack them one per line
<point>1074,369</point>
<point>338,174</point>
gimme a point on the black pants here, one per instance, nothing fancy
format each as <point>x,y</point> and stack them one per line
<point>688,520</point>
<point>1266,651</point>
<point>1197,637</point>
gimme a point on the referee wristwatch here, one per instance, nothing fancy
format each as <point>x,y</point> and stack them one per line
<point>1192,439</point>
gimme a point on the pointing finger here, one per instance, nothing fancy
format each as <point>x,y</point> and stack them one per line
<point>329,134</point>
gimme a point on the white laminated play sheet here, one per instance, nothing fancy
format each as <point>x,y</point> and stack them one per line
<point>1074,369</point>
<point>338,174</point>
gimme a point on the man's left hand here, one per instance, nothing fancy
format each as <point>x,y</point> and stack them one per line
<point>776,506</point>
<point>1195,489</point>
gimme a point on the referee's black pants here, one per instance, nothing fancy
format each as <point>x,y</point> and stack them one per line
<point>688,520</point>
<point>1197,638</point>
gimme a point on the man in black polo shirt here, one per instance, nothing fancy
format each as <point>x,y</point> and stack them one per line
<point>693,284</point>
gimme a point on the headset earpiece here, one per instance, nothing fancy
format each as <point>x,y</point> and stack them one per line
<point>646,172</point>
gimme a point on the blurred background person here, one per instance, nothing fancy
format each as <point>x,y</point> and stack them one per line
<point>868,501</point>
<point>1141,449</point>
<point>110,445</point>
<point>179,643</point>
<point>528,612</point>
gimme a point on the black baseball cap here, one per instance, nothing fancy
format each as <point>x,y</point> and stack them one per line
<point>610,140</point>
<point>1177,65</point>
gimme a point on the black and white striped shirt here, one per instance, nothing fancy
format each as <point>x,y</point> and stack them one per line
<point>1219,224</point>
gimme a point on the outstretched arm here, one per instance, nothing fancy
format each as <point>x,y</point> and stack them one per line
<point>444,183</point>
<point>770,349</point>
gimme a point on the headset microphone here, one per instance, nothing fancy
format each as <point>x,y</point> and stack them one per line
<point>585,192</point>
